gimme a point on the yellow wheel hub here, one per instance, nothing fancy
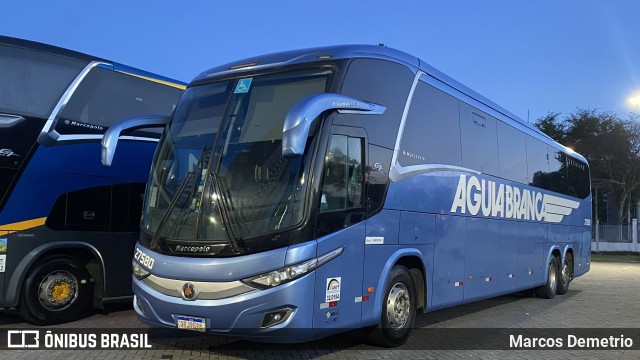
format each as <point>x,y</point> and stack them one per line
<point>61,291</point>
<point>58,290</point>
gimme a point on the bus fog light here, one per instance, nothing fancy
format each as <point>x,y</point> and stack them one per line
<point>139,305</point>
<point>275,317</point>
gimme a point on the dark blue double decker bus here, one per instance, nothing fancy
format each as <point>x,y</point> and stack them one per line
<point>68,225</point>
<point>300,194</point>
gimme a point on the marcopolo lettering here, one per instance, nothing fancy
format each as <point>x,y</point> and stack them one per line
<point>476,196</point>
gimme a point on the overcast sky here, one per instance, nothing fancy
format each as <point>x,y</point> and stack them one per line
<point>531,57</point>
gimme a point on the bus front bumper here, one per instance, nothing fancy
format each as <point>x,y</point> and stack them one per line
<point>243,316</point>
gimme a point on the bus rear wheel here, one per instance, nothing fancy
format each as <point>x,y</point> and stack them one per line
<point>549,290</point>
<point>566,274</point>
<point>56,290</point>
<point>398,310</point>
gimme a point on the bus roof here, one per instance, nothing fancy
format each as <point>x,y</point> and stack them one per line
<point>71,54</point>
<point>365,51</point>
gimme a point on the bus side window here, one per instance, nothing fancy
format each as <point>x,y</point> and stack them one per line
<point>105,97</point>
<point>432,131</point>
<point>342,185</point>
<point>512,154</point>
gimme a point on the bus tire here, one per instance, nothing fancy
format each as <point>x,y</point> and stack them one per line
<point>549,290</point>
<point>565,274</point>
<point>398,310</point>
<point>57,289</point>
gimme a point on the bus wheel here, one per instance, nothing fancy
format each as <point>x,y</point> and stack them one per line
<point>566,274</point>
<point>549,289</point>
<point>398,310</point>
<point>57,290</point>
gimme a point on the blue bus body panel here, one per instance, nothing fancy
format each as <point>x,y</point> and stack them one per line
<point>448,261</point>
<point>348,269</point>
<point>481,237</point>
<point>68,168</point>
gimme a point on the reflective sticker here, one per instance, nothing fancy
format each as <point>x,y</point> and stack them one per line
<point>511,276</point>
<point>3,261</point>
<point>3,245</point>
<point>459,283</point>
<point>374,240</point>
<point>359,299</point>
<point>587,222</point>
<point>324,306</point>
<point>489,279</point>
<point>365,298</point>
<point>333,289</point>
<point>243,86</point>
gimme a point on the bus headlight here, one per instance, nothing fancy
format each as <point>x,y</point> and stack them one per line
<point>289,273</point>
<point>138,271</point>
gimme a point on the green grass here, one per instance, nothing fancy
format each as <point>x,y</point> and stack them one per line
<point>626,257</point>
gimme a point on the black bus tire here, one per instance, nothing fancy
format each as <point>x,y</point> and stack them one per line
<point>56,290</point>
<point>549,290</point>
<point>565,274</point>
<point>398,310</point>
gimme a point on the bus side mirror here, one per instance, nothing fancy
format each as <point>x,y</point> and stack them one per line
<point>301,115</point>
<point>110,139</point>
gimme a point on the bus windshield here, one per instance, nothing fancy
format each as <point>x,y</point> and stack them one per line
<point>219,175</point>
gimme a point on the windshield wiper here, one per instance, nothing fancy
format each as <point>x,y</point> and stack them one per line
<point>224,213</point>
<point>183,185</point>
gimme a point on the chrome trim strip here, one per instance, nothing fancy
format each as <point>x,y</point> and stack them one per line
<point>396,148</point>
<point>99,137</point>
<point>400,172</point>
<point>204,290</point>
<point>403,120</point>
<point>47,135</point>
<point>8,120</point>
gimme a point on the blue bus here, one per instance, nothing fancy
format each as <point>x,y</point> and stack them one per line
<point>300,194</point>
<point>67,224</point>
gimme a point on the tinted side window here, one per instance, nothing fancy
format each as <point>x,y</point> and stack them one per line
<point>102,208</point>
<point>512,152</point>
<point>537,163</point>
<point>579,183</point>
<point>381,82</point>
<point>32,82</point>
<point>479,140</point>
<point>432,130</point>
<point>105,97</point>
<point>343,175</point>
<point>557,171</point>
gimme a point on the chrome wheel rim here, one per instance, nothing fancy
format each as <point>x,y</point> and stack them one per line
<point>58,290</point>
<point>398,306</point>
<point>566,276</point>
<point>553,277</point>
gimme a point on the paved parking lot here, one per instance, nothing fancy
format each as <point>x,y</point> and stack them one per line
<point>607,297</point>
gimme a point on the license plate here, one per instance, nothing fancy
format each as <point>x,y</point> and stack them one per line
<point>191,323</point>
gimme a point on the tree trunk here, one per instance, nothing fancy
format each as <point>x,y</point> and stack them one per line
<point>623,199</point>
